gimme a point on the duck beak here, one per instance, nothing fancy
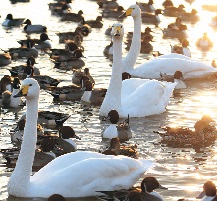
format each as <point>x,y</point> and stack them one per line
<point>162,187</point>
<point>23,91</point>
<point>201,195</point>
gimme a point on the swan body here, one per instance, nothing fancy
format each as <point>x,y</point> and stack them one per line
<point>190,68</point>
<point>77,174</point>
<point>130,96</point>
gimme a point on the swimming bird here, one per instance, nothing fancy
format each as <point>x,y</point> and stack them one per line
<point>151,18</point>
<point>182,49</point>
<point>92,95</point>
<point>17,135</point>
<point>5,59</point>
<point>78,76</point>
<point>34,28</point>
<point>63,36</point>
<point>20,72</point>
<point>204,132</point>
<point>147,7</point>
<point>64,143</point>
<point>146,192</point>
<point>68,92</point>
<point>8,99</point>
<point>129,97</point>
<point>10,21</point>
<point>204,42</point>
<point>96,170</point>
<point>75,17</point>
<point>118,149</point>
<point>121,130</point>
<point>40,43</point>
<point>209,192</point>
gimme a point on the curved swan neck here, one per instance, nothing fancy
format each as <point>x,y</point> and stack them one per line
<point>130,60</point>
<point>20,178</point>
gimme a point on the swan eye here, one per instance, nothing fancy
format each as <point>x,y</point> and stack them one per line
<point>30,85</point>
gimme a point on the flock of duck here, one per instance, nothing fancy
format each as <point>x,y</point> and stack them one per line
<point>133,91</point>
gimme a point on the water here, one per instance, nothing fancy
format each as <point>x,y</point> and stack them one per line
<point>182,170</point>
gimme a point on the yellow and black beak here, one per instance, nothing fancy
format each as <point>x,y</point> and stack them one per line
<point>127,13</point>
<point>23,91</point>
<point>117,30</point>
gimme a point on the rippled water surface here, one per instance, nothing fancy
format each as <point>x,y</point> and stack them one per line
<point>182,170</point>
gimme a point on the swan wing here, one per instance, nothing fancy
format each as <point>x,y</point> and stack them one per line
<point>81,174</point>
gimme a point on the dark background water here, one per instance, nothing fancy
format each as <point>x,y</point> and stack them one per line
<point>183,170</point>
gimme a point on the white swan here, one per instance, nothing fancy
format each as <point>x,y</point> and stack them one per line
<point>134,97</point>
<point>191,68</point>
<point>77,174</point>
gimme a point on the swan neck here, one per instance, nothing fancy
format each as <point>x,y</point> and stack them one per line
<point>130,60</point>
<point>112,99</point>
<point>20,178</point>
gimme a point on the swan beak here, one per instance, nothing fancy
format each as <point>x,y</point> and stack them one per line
<point>117,30</point>
<point>23,91</point>
<point>127,13</point>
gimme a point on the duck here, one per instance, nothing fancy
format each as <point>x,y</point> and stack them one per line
<point>94,23</point>
<point>64,143</point>
<point>121,130</point>
<point>41,43</point>
<point>27,52</point>
<point>50,118</point>
<point>108,5</point>
<point>167,3</point>
<point>204,42</point>
<point>146,46</point>
<point>34,28</point>
<point>6,83</point>
<point>43,155</point>
<point>126,150</point>
<point>78,77</point>
<point>77,41</point>
<point>59,4</point>
<point>5,59</point>
<point>190,17</point>
<point>209,192</point>
<point>7,97</point>
<point>177,77</point>
<point>113,13</point>
<point>108,51</point>
<point>204,132</point>
<point>146,191</point>
<point>69,58</point>
<point>19,71</point>
<point>91,95</point>
<point>173,11</point>
<point>151,18</point>
<point>145,33</point>
<point>45,81</point>
<point>63,36</point>
<point>56,197</point>
<point>61,172</point>
<point>17,135</point>
<point>179,33</point>
<point>182,49</point>
<point>147,7</point>
<point>213,22</point>
<point>132,89</point>
<point>68,92</point>
<point>75,17</point>
<point>10,21</point>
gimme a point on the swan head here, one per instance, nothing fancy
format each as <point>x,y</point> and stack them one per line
<point>117,30</point>
<point>29,88</point>
<point>133,10</point>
